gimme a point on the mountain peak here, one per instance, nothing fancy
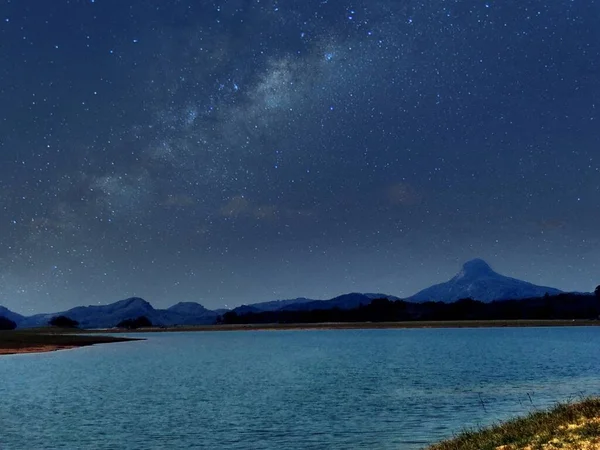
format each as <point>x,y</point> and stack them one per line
<point>475,268</point>
<point>188,308</point>
<point>477,280</point>
<point>132,302</point>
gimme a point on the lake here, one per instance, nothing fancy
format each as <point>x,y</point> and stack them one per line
<point>328,389</point>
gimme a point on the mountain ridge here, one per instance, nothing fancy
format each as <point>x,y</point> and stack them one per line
<point>476,280</point>
<point>108,316</point>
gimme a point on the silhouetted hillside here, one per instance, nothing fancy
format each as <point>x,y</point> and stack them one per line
<point>107,316</point>
<point>561,306</point>
<point>7,324</point>
<point>133,324</point>
<point>63,322</point>
<point>12,316</point>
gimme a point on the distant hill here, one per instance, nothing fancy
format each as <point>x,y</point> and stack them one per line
<point>346,301</point>
<point>273,305</point>
<point>185,313</point>
<point>107,316</point>
<point>188,308</point>
<point>96,316</point>
<point>16,318</point>
<point>245,309</point>
<point>478,281</point>
<point>279,304</point>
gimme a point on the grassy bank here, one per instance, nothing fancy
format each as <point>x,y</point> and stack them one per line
<point>568,426</point>
<point>49,339</point>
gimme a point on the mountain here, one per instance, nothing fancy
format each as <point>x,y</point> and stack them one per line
<point>186,313</point>
<point>16,318</point>
<point>273,305</point>
<point>100,316</point>
<point>279,304</point>
<point>346,301</point>
<point>478,281</point>
<point>188,308</point>
<point>246,309</point>
<point>108,316</point>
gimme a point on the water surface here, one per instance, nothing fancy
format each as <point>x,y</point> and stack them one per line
<point>334,389</point>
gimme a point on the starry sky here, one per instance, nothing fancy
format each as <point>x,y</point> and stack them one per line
<point>237,151</point>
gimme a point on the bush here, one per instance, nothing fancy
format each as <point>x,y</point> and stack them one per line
<point>132,324</point>
<point>7,324</point>
<point>63,322</point>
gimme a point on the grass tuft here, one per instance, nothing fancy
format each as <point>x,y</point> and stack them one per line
<point>571,426</point>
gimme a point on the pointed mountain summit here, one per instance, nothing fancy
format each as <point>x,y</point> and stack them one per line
<point>476,268</point>
<point>477,280</point>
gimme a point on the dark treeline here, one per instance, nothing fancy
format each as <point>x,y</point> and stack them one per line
<point>559,307</point>
<point>7,324</point>
<point>63,322</point>
<point>133,324</point>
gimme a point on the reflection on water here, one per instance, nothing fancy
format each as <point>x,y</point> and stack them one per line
<point>388,389</point>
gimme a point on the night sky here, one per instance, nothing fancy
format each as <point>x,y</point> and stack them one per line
<point>238,151</point>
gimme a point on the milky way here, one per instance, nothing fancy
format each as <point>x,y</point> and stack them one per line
<point>229,152</point>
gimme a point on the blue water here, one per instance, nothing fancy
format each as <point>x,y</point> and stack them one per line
<point>371,389</point>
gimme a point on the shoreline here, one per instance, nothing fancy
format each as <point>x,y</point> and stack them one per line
<point>44,340</point>
<point>35,349</point>
<point>359,326</point>
<point>569,426</point>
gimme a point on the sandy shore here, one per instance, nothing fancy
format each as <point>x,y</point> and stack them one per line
<point>35,349</point>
